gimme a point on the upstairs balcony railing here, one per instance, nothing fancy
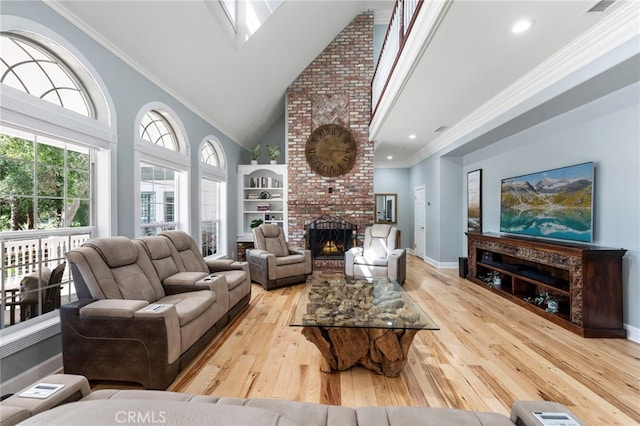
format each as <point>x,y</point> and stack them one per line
<point>402,20</point>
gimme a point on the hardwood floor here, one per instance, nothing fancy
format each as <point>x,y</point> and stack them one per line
<point>487,354</point>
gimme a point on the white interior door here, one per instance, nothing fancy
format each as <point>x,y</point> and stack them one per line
<point>418,226</point>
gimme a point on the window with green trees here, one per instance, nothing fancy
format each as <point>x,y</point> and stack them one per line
<point>44,184</point>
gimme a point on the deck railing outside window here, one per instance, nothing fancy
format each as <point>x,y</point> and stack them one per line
<point>400,26</point>
<point>28,252</point>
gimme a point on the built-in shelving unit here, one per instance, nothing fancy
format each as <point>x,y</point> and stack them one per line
<point>262,195</point>
<point>583,283</point>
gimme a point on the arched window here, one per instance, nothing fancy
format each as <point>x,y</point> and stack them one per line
<point>213,187</point>
<point>30,68</point>
<point>55,137</point>
<point>211,154</point>
<point>156,129</point>
<point>163,172</point>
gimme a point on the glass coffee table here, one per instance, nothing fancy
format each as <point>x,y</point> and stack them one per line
<point>352,321</point>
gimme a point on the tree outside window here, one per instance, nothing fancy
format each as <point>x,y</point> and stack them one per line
<point>43,185</point>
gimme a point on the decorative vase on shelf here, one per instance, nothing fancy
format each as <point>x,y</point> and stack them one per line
<point>254,161</point>
<point>273,161</point>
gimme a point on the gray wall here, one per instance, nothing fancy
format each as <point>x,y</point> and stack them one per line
<point>395,181</point>
<point>276,135</point>
<point>605,131</point>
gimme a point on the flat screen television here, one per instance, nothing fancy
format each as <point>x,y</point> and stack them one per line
<point>555,203</point>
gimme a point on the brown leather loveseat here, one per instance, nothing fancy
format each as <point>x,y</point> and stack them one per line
<point>146,307</point>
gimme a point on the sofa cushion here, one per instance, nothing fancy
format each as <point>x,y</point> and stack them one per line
<point>234,278</point>
<point>141,411</point>
<point>159,251</point>
<point>289,260</point>
<point>184,278</point>
<point>186,251</point>
<point>115,251</point>
<point>427,416</point>
<point>190,304</point>
<point>370,260</point>
<point>302,413</point>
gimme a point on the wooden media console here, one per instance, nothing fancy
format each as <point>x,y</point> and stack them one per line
<point>584,281</point>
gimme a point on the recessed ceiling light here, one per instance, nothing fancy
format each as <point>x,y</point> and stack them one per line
<point>389,157</point>
<point>412,136</point>
<point>522,25</point>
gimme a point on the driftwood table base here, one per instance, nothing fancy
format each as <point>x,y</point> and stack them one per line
<point>381,350</point>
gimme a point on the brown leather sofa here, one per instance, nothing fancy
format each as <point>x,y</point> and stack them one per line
<point>146,307</point>
<point>110,406</point>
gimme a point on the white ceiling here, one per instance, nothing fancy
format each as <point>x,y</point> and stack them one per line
<point>183,47</point>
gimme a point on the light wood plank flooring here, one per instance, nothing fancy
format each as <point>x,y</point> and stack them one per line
<point>487,354</point>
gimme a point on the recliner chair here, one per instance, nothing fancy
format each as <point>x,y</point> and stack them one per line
<point>273,262</point>
<point>378,257</point>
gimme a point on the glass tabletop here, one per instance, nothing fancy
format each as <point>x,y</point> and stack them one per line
<point>358,303</point>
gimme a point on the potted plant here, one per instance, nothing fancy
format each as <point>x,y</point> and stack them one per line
<point>255,223</point>
<point>493,279</point>
<point>255,153</point>
<point>274,153</point>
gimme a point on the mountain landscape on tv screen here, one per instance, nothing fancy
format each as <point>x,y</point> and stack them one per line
<point>546,205</point>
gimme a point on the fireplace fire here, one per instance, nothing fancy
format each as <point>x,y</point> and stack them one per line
<point>329,237</point>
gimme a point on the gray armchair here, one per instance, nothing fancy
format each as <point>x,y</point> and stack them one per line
<point>273,262</point>
<point>378,257</point>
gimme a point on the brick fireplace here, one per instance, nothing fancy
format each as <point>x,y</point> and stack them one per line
<point>334,88</point>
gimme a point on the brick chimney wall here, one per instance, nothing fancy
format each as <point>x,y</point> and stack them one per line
<point>334,88</point>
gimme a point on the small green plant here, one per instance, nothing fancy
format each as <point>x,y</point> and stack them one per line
<point>255,151</point>
<point>492,278</point>
<point>274,151</point>
<point>255,223</point>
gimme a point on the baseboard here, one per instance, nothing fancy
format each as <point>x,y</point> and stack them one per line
<point>51,366</point>
<point>633,333</point>
<point>441,265</point>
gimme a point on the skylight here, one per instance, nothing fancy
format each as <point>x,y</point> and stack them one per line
<point>247,16</point>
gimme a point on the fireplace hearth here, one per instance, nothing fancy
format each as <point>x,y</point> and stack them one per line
<point>329,237</point>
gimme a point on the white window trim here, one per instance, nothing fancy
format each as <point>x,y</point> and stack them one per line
<point>150,153</point>
<point>207,171</point>
<point>30,114</point>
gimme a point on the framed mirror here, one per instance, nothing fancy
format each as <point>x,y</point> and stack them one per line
<point>386,208</point>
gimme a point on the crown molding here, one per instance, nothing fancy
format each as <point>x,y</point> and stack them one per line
<point>619,27</point>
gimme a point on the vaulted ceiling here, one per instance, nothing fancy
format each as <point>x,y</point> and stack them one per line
<point>470,57</point>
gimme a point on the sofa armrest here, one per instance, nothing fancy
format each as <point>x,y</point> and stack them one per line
<point>17,408</point>
<point>262,263</point>
<point>349,258</point>
<point>120,308</point>
<point>220,265</point>
<point>94,346</point>
<point>306,253</point>
<point>522,412</point>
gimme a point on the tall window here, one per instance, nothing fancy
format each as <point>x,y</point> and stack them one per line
<point>162,173</point>
<point>212,196</point>
<point>47,201</point>
<point>157,192</point>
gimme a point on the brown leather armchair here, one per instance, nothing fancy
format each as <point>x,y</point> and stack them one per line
<point>273,262</point>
